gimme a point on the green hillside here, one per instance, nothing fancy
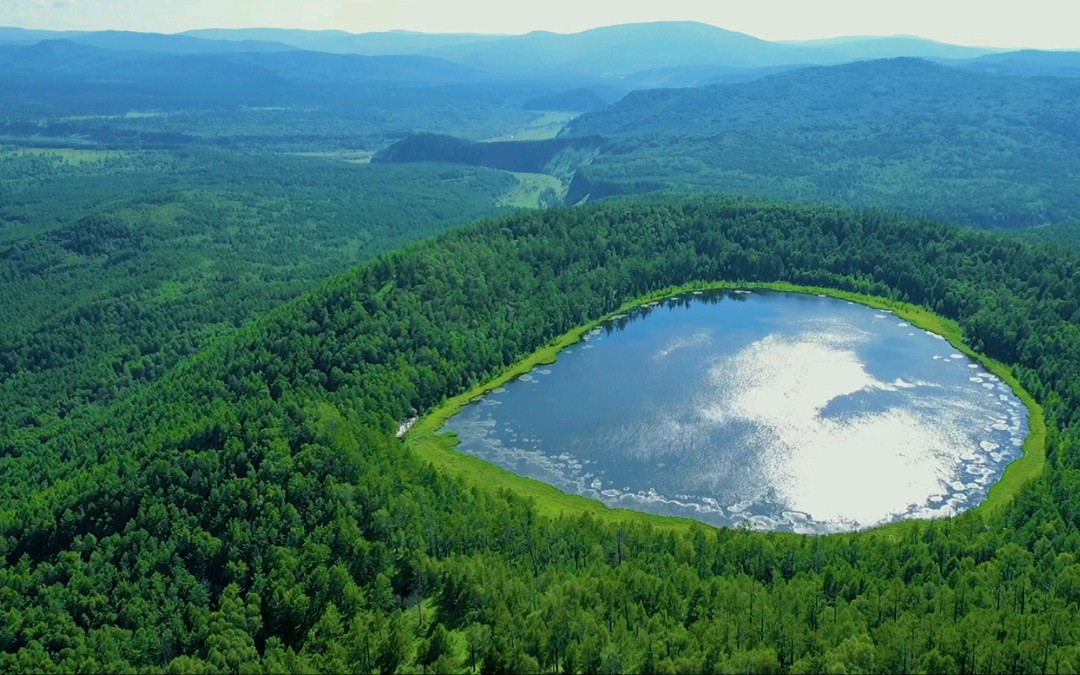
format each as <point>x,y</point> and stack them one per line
<point>904,135</point>
<point>1065,234</point>
<point>1028,62</point>
<point>251,511</point>
<point>63,92</point>
<point>117,268</point>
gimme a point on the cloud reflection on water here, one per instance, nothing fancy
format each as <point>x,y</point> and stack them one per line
<point>788,431</point>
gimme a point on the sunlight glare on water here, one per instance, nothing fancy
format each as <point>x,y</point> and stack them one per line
<point>782,386</point>
<point>769,410</point>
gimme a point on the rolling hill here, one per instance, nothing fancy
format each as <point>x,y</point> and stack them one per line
<point>172,44</point>
<point>61,91</point>
<point>849,94</point>
<point>11,35</point>
<point>609,51</point>
<point>866,48</point>
<point>898,134</point>
<point>1062,234</point>
<point>79,60</point>
<point>902,134</point>
<point>117,267</point>
<point>648,55</point>
<point>622,50</point>
<point>1028,62</point>
<point>388,43</point>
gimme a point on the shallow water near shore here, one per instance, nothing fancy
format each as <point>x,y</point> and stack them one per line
<point>769,410</point>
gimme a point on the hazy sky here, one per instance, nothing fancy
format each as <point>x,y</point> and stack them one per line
<point>1047,24</point>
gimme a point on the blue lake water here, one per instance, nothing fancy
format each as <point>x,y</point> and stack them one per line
<point>775,411</point>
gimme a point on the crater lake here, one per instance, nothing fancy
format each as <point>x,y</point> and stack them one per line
<point>760,409</point>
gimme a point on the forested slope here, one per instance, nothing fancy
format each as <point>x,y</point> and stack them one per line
<point>252,512</point>
<point>66,93</point>
<point>985,150</point>
<point>1065,234</point>
<point>115,266</point>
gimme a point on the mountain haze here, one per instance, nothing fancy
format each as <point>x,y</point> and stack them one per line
<point>9,35</point>
<point>675,53</point>
<point>1028,62</point>
<point>622,50</point>
<point>61,89</point>
<point>858,48</point>
<point>389,43</point>
<point>172,44</point>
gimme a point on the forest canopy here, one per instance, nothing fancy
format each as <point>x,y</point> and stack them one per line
<point>252,510</point>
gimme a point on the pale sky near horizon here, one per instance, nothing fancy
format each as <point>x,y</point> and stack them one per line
<point>1040,24</point>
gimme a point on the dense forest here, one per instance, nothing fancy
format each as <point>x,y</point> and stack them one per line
<point>117,265</point>
<point>130,95</point>
<point>252,511</point>
<point>984,150</point>
<point>907,135</point>
<point>1064,234</point>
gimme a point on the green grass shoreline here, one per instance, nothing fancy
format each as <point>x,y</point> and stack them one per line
<point>440,449</point>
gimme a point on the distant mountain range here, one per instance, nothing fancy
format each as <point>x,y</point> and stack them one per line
<point>973,135</point>
<point>645,55</point>
<point>859,48</point>
<point>613,51</point>
<point>1027,62</point>
<point>143,42</point>
<point>389,43</point>
<point>130,78</point>
<point>71,91</point>
<point>29,36</point>
<point>115,71</point>
<point>848,95</point>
